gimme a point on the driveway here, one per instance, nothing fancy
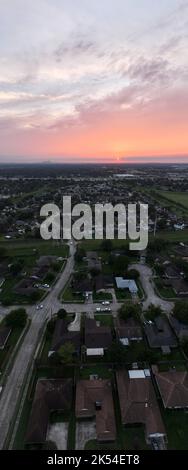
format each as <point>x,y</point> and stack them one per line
<point>146,276</point>
<point>58,433</point>
<point>75,324</point>
<point>85,431</point>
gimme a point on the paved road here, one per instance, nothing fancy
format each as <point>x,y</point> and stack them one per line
<point>15,380</point>
<point>151,296</point>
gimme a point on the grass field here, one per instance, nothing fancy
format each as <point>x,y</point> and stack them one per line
<point>176,424</point>
<point>27,248</point>
<point>102,296</point>
<point>165,292</point>
<point>176,197</point>
<point>10,345</point>
<point>104,319</point>
<point>68,296</point>
<point>170,236</point>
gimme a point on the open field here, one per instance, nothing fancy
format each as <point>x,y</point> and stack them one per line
<point>177,197</point>
<point>28,247</point>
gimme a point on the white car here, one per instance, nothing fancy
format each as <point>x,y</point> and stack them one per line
<point>98,309</point>
<point>37,307</point>
<point>107,309</point>
<point>41,305</point>
<point>106,302</point>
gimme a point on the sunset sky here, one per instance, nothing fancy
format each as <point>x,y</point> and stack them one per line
<point>94,80</point>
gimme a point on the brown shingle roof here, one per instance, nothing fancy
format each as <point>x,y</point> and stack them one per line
<point>173,387</point>
<point>160,334</point>
<point>138,403</point>
<point>97,336</point>
<point>50,395</point>
<point>61,336</point>
<point>88,392</point>
<point>128,329</point>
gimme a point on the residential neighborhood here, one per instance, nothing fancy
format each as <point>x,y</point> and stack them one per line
<point>94,337</point>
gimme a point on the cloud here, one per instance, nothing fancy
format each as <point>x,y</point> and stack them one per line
<point>74,48</point>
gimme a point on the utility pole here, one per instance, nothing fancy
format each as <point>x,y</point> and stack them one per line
<point>155,225</point>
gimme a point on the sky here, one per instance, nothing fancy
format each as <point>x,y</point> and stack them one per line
<point>94,80</point>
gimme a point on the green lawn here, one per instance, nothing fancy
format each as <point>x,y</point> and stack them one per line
<point>101,371</point>
<point>177,197</point>
<point>123,294</point>
<point>166,292</point>
<point>176,424</point>
<point>106,320</point>
<point>68,296</point>
<point>102,296</point>
<point>9,347</point>
<point>26,247</point>
<point>134,438</point>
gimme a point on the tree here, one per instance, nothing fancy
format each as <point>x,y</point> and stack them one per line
<point>66,352</point>
<point>127,311</point>
<point>181,311</point>
<point>15,268</point>
<point>50,276</point>
<point>106,245</point>
<point>62,314</point>
<point>16,318</point>
<point>117,352</point>
<point>153,311</point>
<point>51,326</point>
<point>3,252</point>
<point>159,269</point>
<point>134,274</point>
<point>79,255</point>
<point>120,265</point>
<point>35,295</point>
<point>185,346</point>
<point>157,245</point>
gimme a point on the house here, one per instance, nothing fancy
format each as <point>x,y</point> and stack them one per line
<point>25,287</point>
<point>97,338</point>
<point>160,334</point>
<point>139,405</point>
<point>39,272</point>
<point>83,287</point>
<point>180,287</point>
<point>182,250</point>
<point>5,332</point>
<point>94,263</point>
<point>129,284</point>
<point>46,260</point>
<point>173,387</point>
<point>94,400</point>
<point>172,272</point>
<point>62,335</point>
<point>103,282</point>
<point>128,331</point>
<point>181,329</point>
<point>50,395</point>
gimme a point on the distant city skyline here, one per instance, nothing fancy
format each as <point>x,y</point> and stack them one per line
<point>94,81</point>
